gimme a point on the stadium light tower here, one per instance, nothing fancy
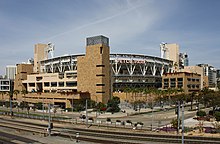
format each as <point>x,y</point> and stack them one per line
<point>50,49</point>
<point>163,50</point>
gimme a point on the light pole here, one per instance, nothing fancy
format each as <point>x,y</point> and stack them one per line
<point>49,121</point>
<point>178,117</point>
<point>183,123</point>
<point>152,109</point>
<point>86,115</point>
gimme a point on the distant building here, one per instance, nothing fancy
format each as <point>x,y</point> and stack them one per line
<point>218,78</point>
<point>6,85</point>
<point>22,71</point>
<point>183,60</point>
<point>11,72</point>
<point>218,73</point>
<point>198,70</point>
<point>211,73</point>
<point>189,82</point>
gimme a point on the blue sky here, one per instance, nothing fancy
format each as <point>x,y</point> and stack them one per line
<point>133,26</point>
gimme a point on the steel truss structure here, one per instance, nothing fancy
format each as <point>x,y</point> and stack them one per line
<point>127,69</point>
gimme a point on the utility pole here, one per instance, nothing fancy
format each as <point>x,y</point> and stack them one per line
<point>152,119</point>
<point>178,117</point>
<point>183,123</point>
<point>10,100</point>
<point>86,115</point>
<point>49,122</point>
<point>43,108</point>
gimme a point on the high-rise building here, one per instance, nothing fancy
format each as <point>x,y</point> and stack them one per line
<point>10,72</point>
<point>170,52</point>
<point>211,73</point>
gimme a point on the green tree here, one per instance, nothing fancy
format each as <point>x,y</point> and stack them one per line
<point>100,106</point>
<point>217,116</point>
<point>113,104</point>
<point>16,92</point>
<point>24,92</point>
<point>39,105</point>
<point>201,113</point>
<point>174,123</point>
<point>23,105</point>
<point>192,96</point>
<point>138,104</point>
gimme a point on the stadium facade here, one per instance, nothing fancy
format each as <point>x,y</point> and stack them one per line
<point>127,70</point>
<point>95,74</point>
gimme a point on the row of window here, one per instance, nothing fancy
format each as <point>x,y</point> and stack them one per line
<point>55,84</point>
<point>181,79</point>
<point>192,86</point>
<point>193,79</point>
<point>4,88</point>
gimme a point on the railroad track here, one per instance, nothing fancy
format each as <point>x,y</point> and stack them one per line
<point>103,136</point>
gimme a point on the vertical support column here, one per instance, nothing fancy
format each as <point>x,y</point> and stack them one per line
<point>183,123</point>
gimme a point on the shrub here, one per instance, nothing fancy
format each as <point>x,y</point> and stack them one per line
<point>108,119</point>
<point>91,118</point>
<point>140,123</point>
<point>211,112</point>
<point>217,116</point>
<point>174,123</point>
<point>128,121</point>
<point>118,121</point>
<point>103,109</point>
<point>201,113</point>
<point>68,109</point>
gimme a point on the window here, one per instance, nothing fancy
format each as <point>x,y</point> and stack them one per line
<point>32,84</point>
<point>53,84</point>
<point>46,84</point>
<point>100,84</point>
<point>101,50</point>
<point>39,78</point>
<point>100,92</point>
<point>100,75</point>
<point>61,84</point>
<point>71,84</point>
<point>180,79</point>
<point>100,65</point>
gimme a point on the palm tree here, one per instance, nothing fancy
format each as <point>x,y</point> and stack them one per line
<point>10,94</point>
<point>16,92</point>
<point>2,93</point>
<point>127,90</point>
<point>24,92</point>
<point>192,96</point>
<point>170,91</point>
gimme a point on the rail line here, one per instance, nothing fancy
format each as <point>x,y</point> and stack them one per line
<point>104,136</point>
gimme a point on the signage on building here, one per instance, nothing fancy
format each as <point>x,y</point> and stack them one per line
<point>132,61</point>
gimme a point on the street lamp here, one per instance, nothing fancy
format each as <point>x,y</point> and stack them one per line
<point>10,99</point>
<point>77,137</point>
